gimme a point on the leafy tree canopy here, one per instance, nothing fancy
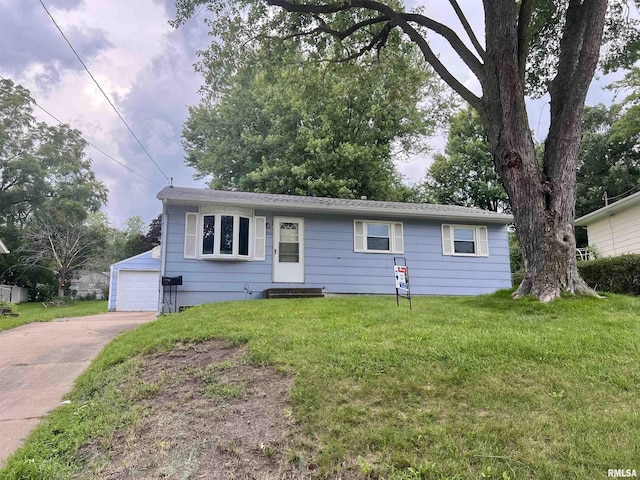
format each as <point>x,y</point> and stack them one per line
<point>276,118</point>
<point>465,175</point>
<point>41,164</point>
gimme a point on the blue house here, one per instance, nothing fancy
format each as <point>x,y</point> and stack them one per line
<point>236,245</point>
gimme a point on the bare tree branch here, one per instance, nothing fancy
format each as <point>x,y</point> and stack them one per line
<point>404,20</point>
<point>467,28</point>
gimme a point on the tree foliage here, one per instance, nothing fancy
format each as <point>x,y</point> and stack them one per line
<point>41,165</point>
<point>277,119</point>
<point>464,174</point>
<point>609,162</point>
<point>44,176</point>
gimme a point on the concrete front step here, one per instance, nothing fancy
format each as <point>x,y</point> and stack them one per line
<point>293,293</point>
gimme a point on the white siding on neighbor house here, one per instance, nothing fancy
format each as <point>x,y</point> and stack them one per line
<point>331,262</point>
<point>616,234</point>
<point>142,262</point>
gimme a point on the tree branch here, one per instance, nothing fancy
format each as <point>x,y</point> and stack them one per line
<point>524,19</point>
<point>351,30</point>
<point>403,21</point>
<point>468,29</point>
<point>452,37</point>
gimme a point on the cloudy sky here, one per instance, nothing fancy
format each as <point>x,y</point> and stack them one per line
<point>146,68</point>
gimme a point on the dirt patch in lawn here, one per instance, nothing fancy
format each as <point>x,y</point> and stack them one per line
<point>207,414</point>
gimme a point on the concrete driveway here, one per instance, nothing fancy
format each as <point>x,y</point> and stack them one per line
<point>40,362</point>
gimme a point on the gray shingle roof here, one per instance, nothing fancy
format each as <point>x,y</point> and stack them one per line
<point>294,203</point>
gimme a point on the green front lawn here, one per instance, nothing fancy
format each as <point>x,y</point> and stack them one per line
<point>36,312</point>
<point>478,387</point>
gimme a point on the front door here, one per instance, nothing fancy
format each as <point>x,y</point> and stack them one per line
<point>288,250</point>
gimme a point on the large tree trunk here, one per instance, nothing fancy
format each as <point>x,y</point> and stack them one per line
<point>542,197</point>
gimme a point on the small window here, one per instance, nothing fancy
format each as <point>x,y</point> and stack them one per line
<point>226,235</point>
<point>208,234</point>
<point>243,241</point>
<point>378,237</point>
<point>465,240</point>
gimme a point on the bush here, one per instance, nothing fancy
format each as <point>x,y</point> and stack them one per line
<point>613,274</point>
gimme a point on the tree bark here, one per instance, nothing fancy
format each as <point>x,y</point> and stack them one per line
<point>542,197</point>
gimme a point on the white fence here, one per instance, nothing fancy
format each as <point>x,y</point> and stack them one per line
<point>13,294</point>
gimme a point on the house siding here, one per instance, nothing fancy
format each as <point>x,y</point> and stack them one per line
<point>144,261</point>
<point>616,234</point>
<point>331,263</point>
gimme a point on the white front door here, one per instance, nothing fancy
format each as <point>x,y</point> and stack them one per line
<point>288,250</point>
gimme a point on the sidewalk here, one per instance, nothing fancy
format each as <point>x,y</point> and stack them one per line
<point>40,362</point>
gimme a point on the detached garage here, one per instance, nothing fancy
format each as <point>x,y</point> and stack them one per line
<point>134,284</point>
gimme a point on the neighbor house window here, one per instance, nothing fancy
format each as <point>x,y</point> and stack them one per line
<point>377,237</point>
<point>465,240</point>
<point>224,236</point>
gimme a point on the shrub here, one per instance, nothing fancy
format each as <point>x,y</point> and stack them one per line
<point>613,274</point>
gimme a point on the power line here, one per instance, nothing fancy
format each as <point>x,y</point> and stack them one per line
<point>94,146</point>
<point>103,92</point>
<point>624,193</point>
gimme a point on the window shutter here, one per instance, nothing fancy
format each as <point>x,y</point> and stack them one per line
<point>191,235</point>
<point>483,242</point>
<point>398,238</point>
<point>447,248</point>
<point>358,236</point>
<point>259,238</point>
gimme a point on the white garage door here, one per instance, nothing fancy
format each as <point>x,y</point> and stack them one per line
<point>137,291</point>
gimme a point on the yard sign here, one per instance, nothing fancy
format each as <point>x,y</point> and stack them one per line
<point>401,273</point>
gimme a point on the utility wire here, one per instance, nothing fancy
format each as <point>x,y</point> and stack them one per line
<point>625,193</point>
<point>103,92</point>
<point>94,146</point>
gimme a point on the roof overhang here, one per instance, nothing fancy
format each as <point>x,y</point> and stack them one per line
<point>293,204</point>
<point>609,210</point>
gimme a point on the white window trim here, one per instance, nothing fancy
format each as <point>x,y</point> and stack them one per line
<point>480,240</point>
<point>256,235</point>
<point>396,236</point>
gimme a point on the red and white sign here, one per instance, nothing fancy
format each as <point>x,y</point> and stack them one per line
<point>402,277</point>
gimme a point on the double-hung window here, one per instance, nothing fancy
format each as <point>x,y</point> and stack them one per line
<point>465,240</point>
<point>377,237</point>
<point>224,236</point>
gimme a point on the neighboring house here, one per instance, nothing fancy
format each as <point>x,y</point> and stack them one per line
<point>89,284</point>
<point>134,283</point>
<point>3,248</point>
<point>614,229</point>
<point>236,245</point>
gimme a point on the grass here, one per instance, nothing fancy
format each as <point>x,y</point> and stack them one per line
<point>36,312</point>
<point>477,387</point>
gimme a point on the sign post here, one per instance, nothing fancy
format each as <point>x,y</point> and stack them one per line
<point>401,273</point>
